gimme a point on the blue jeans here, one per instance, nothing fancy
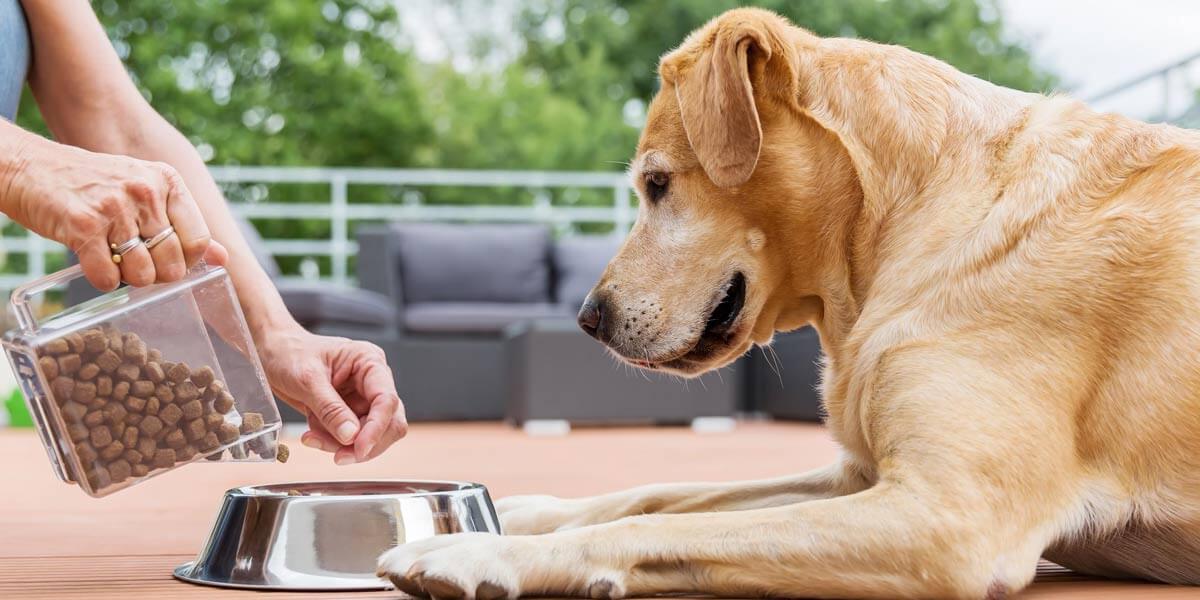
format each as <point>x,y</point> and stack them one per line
<point>14,56</point>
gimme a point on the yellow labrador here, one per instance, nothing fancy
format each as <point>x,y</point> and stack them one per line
<point>1007,287</point>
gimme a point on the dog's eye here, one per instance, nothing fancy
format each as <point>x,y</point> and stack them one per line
<point>656,185</point>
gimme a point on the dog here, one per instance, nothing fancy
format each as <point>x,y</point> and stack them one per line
<point>1007,291</point>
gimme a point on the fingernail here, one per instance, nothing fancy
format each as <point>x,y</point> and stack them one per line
<point>346,431</point>
<point>343,460</point>
<point>310,441</point>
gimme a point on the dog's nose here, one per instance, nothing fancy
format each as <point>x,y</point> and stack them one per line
<point>591,316</point>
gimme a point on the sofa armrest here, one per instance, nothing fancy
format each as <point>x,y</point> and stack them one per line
<point>379,264</point>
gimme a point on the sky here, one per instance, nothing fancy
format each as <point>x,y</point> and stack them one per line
<point>1096,44</point>
<point>1091,44</point>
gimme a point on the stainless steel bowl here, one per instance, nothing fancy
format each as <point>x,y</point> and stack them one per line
<point>328,535</point>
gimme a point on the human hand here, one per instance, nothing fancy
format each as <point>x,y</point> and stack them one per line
<point>344,388</point>
<point>87,201</point>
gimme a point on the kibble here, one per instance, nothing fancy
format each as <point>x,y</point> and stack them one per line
<point>193,410</point>
<point>84,392</point>
<point>101,436</point>
<point>209,442</point>
<point>282,453</point>
<point>88,371</point>
<point>251,422</point>
<point>69,363</point>
<point>130,437</point>
<point>142,388</point>
<point>75,341</point>
<point>104,386</point>
<point>115,413</point>
<point>164,393</point>
<point>224,403</point>
<point>203,376</point>
<point>227,433</point>
<point>94,418</point>
<point>195,430</point>
<point>176,440</point>
<point>154,372</point>
<point>78,432</point>
<point>170,414</point>
<point>73,412</point>
<point>186,391</point>
<point>129,372</point>
<point>147,447</point>
<point>178,373</point>
<point>119,470</point>
<point>49,367</point>
<point>164,458</point>
<point>112,450</point>
<point>135,404</point>
<point>109,361</point>
<point>94,341</point>
<point>151,425</point>
<point>62,387</point>
<point>129,413</point>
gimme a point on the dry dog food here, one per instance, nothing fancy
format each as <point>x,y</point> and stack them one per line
<point>129,412</point>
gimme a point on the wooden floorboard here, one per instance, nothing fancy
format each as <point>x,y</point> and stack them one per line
<point>56,542</point>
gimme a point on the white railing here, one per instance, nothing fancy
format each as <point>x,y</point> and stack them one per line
<point>1165,94</point>
<point>341,210</point>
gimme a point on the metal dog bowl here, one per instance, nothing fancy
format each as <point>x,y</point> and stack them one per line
<point>328,535</point>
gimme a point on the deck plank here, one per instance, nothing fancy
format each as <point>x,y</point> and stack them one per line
<point>58,543</point>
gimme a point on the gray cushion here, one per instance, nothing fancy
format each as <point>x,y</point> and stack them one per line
<point>316,304</point>
<point>474,263</point>
<point>475,317</point>
<point>578,263</point>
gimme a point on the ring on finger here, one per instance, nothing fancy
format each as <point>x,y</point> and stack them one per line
<point>159,237</point>
<point>119,250</point>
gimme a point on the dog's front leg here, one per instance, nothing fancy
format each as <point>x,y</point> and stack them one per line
<point>545,514</point>
<point>892,541</point>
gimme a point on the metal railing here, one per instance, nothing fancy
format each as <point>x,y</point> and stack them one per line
<point>1176,85</point>
<point>341,210</point>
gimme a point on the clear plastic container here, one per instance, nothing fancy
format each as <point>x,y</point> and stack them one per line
<point>141,381</point>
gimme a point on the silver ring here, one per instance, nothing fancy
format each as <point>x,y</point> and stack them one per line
<point>125,247</point>
<point>158,238</point>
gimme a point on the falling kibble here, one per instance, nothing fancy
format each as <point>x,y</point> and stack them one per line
<point>282,453</point>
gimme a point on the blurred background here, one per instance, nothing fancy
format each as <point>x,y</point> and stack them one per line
<point>356,137</point>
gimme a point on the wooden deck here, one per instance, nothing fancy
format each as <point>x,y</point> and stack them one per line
<point>55,542</point>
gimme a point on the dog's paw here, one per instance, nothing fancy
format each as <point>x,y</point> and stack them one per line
<point>459,566</point>
<point>531,515</point>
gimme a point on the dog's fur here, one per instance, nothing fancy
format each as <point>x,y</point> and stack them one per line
<point>1007,288</point>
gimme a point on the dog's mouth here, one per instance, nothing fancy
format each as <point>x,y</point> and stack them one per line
<point>719,328</point>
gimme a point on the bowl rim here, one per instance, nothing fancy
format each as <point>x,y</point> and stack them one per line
<point>388,487</point>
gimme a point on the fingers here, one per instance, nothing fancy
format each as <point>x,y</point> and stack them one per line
<point>385,422</point>
<point>216,254</point>
<point>96,260</point>
<point>328,407</point>
<point>191,237</point>
<point>136,266</point>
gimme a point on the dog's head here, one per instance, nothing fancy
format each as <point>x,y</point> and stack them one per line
<point>729,175</point>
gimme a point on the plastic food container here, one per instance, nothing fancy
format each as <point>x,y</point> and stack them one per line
<point>142,381</point>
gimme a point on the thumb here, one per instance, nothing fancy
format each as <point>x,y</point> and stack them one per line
<point>329,408</point>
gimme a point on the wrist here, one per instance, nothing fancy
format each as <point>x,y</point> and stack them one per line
<point>14,162</point>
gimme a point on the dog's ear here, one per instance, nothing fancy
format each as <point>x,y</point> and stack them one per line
<point>716,99</point>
